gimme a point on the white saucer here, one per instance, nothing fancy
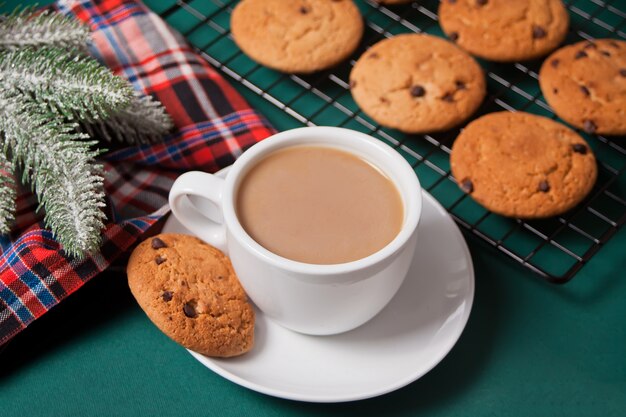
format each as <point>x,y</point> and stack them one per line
<point>406,340</point>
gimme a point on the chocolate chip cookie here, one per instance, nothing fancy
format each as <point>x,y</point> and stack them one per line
<point>505,30</point>
<point>191,293</point>
<point>417,83</point>
<point>522,165</point>
<point>585,84</point>
<point>297,36</point>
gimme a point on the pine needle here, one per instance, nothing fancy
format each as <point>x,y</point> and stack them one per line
<point>25,28</point>
<point>7,194</point>
<point>59,165</point>
<point>77,87</point>
<point>144,121</point>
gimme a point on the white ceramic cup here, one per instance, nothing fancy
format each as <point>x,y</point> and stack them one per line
<point>308,298</point>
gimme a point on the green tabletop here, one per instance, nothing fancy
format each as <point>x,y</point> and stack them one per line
<point>530,348</point>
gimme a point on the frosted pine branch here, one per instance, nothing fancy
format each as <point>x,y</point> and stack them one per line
<point>144,121</point>
<point>7,194</point>
<point>60,167</point>
<point>77,87</point>
<point>48,29</point>
<point>49,93</point>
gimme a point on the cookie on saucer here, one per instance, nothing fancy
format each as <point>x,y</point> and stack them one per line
<point>505,30</point>
<point>191,293</point>
<point>585,84</point>
<point>297,36</point>
<point>417,83</point>
<point>522,165</point>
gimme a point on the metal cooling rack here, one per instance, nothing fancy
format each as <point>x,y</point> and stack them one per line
<point>555,248</point>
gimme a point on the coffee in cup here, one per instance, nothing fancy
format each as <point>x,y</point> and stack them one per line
<point>319,205</point>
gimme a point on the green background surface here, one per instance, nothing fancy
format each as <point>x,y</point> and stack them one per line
<point>530,348</point>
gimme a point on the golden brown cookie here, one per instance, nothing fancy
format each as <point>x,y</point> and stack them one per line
<point>417,83</point>
<point>522,165</point>
<point>585,84</point>
<point>297,36</point>
<point>191,293</point>
<point>505,30</point>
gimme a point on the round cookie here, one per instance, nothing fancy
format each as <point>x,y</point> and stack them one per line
<point>522,165</point>
<point>297,36</point>
<point>505,30</point>
<point>191,293</point>
<point>417,83</point>
<point>585,84</point>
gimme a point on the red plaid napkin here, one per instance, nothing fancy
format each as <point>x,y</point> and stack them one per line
<point>213,126</point>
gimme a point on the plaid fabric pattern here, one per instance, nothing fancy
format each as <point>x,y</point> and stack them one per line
<point>214,125</point>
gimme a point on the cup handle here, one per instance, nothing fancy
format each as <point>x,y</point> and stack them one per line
<point>206,186</point>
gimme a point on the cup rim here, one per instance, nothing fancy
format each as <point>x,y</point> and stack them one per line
<point>350,139</point>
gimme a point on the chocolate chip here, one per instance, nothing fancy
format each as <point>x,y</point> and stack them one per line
<point>614,44</point>
<point>622,72</point>
<point>454,36</point>
<point>159,260</point>
<point>481,2</point>
<point>539,32</point>
<point>304,10</point>
<point>580,54</point>
<point>584,90</point>
<point>467,186</point>
<point>605,53</point>
<point>167,295</point>
<point>590,45</point>
<point>373,55</point>
<point>555,90</point>
<point>190,310</point>
<point>555,63</point>
<point>417,91</point>
<point>158,243</point>
<point>352,83</point>
<point>448,97</point>
<point>383,100</point>
<point>589,126</point>
<point>460,85</point>
<point>579,148</point>
<point>544,187</point>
